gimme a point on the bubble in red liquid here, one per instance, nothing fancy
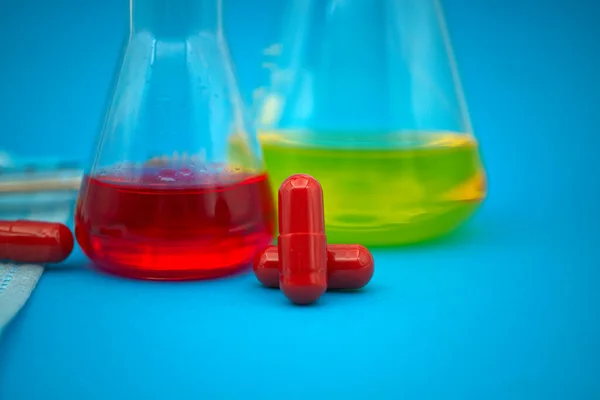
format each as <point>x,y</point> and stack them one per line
<point>167,175</point>
<point>150,228</point>
<point>186,173</point>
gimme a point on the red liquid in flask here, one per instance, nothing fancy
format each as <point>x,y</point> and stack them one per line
<point>145,228</point>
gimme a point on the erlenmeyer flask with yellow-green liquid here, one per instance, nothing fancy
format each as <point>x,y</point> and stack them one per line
<point>365,96</point>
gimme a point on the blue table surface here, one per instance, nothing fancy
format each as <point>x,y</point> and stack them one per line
<point>506,308</point>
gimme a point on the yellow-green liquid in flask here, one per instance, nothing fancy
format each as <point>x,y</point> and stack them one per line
<point>418,186</point>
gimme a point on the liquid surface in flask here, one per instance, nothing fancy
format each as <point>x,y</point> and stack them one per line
<point>166,198</point>
<point>365,96</point>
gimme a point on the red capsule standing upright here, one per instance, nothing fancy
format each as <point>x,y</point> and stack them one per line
<point>349,266</point>
<point>302,244</point>
<point>34,241</point>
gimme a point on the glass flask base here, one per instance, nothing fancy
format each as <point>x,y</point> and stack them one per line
<point>139,228</point>
<point>390,191</point>
<point>179,262</point>
<point>424,225</point>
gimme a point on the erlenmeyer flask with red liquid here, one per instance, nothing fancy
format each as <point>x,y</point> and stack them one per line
<point>177,188</point>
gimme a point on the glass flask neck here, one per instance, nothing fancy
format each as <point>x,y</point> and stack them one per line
<point>175,18</point>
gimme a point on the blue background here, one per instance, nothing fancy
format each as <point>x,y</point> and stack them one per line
<point>506,308</point>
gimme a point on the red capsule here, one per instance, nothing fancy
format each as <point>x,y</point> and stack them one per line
<point>266,267</point>
<point>302,244</point>
<point>349,266</point>
<point>34,242</point>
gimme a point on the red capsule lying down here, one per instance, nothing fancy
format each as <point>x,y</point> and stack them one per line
<point>302,244</point>
<point>349,266</point>
<point>34,242</point>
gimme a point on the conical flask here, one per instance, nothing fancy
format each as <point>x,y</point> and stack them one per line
<point>177,188</point>
<point>365,96</point>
